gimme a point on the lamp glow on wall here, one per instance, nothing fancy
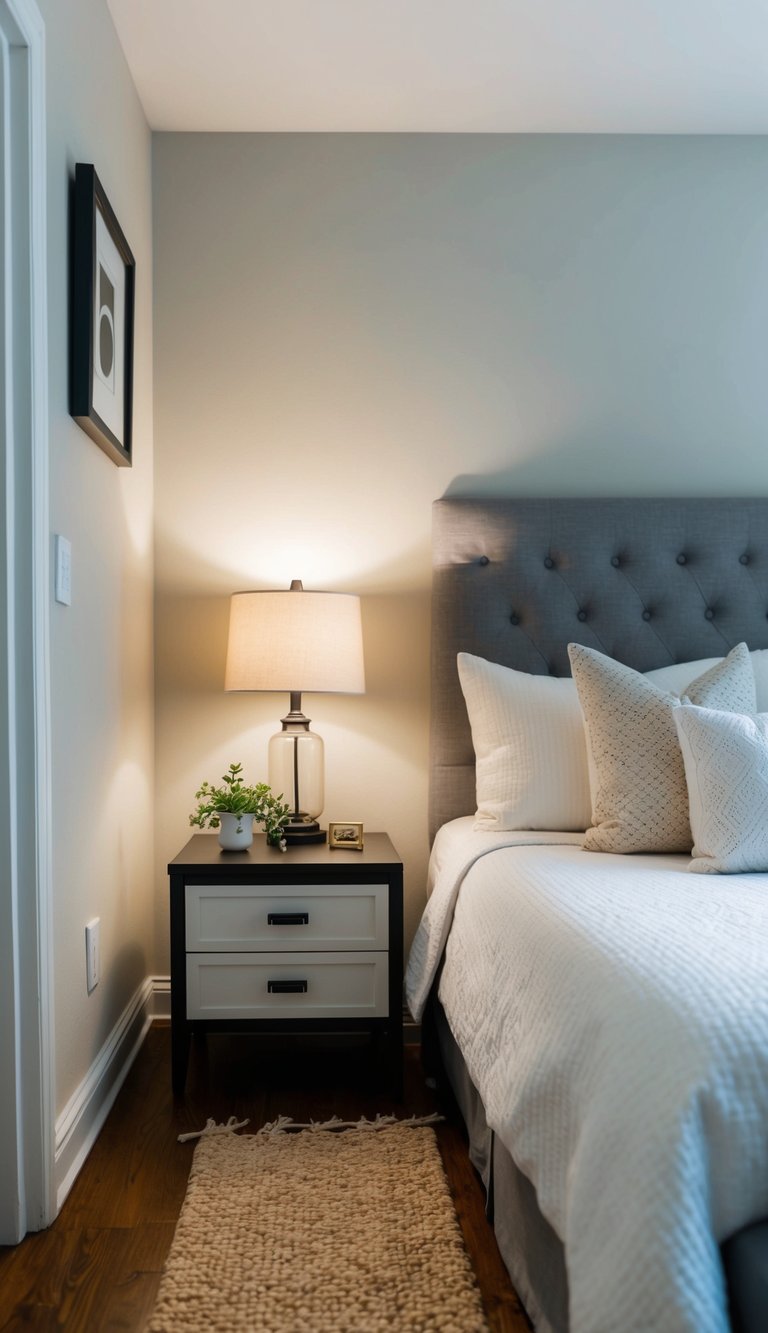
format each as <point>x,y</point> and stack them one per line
<point>298,642</point>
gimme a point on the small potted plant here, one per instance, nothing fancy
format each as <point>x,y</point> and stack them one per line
<point>233,807</point>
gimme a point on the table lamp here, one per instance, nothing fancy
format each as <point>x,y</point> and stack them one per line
<point>296,641</point>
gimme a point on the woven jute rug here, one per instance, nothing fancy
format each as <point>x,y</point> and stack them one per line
<point>320,1231</point>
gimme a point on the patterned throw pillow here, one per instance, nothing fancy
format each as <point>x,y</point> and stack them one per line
<point>639,792</point>
<point>726,767</point>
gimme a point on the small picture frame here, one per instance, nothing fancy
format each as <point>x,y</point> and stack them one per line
<point>346,835</point>
<point>102,315</point>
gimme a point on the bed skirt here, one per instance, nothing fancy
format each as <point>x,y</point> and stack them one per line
<point>533,1253</point>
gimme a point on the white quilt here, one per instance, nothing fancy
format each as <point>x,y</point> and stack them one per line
<point>613,1014</point>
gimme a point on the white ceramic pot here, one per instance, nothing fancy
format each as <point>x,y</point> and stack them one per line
<point>236,832</point>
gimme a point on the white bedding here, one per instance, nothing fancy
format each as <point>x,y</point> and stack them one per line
<point>613,1014</point>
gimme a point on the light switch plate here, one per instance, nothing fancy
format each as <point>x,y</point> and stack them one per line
<point>63,588</point>
<point>92,958</point>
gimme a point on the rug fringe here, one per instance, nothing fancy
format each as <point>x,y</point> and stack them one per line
<point>284,1122</point>
<point>212,1128</point>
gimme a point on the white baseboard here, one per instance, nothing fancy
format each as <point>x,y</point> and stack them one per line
<point>79,1123</point>
<point>161,997</point>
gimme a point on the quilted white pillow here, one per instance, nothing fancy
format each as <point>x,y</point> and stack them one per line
<point>639,793</point>
<point>726,768</point>
<point>530,753</point>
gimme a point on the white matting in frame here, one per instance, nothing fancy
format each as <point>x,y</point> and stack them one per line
<point>103,280</point>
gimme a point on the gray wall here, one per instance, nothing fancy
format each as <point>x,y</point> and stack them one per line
<point>101,646</point>
<point>349,326</point>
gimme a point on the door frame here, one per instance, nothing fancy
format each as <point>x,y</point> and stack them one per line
<point>27,1083</point>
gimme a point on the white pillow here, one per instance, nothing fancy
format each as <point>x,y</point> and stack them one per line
<point>759,659</point>
<point>639,795</point>
<point>528,736</point>
<point>678,677</point>
<point>726,769</point>
<point>530,753</point>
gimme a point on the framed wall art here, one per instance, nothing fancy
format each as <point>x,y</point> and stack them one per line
<point>101,344</point>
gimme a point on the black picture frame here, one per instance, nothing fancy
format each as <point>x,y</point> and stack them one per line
<point>102,319</point>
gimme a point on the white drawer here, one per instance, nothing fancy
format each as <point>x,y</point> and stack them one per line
<point>243,917</point>
<point>338,985</point>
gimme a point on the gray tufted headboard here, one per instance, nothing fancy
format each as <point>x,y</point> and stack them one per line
<point>646,581</point>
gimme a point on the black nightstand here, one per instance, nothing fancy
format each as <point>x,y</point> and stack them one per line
<point>308,940</point>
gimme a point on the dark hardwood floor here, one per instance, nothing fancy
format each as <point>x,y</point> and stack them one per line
<point>98,1267</point>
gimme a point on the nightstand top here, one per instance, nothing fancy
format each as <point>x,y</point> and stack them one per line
<point>203,850</point>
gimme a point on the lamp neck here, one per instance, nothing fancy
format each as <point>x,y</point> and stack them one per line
<point>295,718</point>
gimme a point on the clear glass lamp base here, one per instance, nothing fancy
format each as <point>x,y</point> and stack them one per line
<point>296,770</point>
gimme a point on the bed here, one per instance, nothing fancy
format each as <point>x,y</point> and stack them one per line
<point>652,584</point>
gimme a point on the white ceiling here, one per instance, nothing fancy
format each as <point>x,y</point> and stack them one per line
<point>612,66</point>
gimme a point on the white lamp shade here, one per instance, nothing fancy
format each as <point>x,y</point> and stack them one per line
<point>295,641</point>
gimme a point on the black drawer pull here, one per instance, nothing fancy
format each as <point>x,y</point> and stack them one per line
<point>287,918</point>
<point>287,987</point>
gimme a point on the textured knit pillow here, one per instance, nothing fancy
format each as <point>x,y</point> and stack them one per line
<point>639,793</point>
<point>530,754</point>
<point>726,768</point>
<point>677,678</point>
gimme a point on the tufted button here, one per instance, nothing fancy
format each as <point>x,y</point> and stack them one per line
<point>709,614</point>
<point>483,560</point>
<point>549,562</point>
<point>646,614</point>
<point>615,561</point>
<point>514,619</point>
<point>682,559</point>
<point>581,615</point>
<point>744,559</point>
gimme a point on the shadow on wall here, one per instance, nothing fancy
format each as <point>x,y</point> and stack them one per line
<point>190,644</point>
<point>127,971</point>
<point>607,463</point>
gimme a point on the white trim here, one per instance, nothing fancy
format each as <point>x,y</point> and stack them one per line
<point>81,1120</point>
<point>78,1126</point>
<point>41,1089</point>
<point>161,997</point>
<point>28,1147</point>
